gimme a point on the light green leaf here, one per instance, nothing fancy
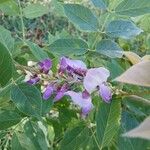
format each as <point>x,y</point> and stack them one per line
<point>8,118</point>
<point>6,39</point>
<point>10,8</point>
<point>108,121</point>
<point>122,28</point>
<point>6,68</point>
<point>38,52</point>
<point>139,74</point>
<point>102,4</point>
<point>82,17</point>
<point>133,7</point>
<point>28,100</point>
<point>69,46</point>
<point>109,48</point>
<point>35,10</point>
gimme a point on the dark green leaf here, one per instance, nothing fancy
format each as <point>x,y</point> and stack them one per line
<point>82,17</point>
<point>21,142</point>
<point>8,118</point>
<point>6,68</point>
<point>28,99</point>
<point>69,46</point>
<point>108,121</point>
<point>133,7</point>
<point>109,48</point>
<point>6,39</point>
<point>122,28</point>
<point>35,10</point>
<point>38,52</point>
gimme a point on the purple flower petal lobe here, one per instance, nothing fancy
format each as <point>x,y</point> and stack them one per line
<point>48,92</point>
<point>45,65</point>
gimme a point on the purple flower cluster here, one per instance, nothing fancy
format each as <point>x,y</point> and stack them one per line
<point>72,72</point>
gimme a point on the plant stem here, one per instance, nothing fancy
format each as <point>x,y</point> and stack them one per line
<point>22,23</point>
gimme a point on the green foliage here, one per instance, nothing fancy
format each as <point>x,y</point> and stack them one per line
<point>103,33</point>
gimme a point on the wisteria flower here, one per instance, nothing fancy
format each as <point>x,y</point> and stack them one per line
<point>84,102</point>
<point>72,66</point>
<point>96,79</point>
<point>48,92</point>
<point>45,65</point>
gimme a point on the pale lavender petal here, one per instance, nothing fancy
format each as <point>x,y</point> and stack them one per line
<point>105,93</point>
<point>85,103</point>
<point>45,65</point>
<point>72,65</point>
<point>48,92</point>
<point>94,77</point>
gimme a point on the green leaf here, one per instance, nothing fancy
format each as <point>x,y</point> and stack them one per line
<point>10,8</point>
<point>6,38</point>
<point>38,52</point>
<point>36,135</point>
<point>8,118</point>
<point>2,1</point>
<point>109,48</point>
<point>28,100</point>
<point>133,8</point>
<point>21,142</point>
<point>102,4</point>
<point>122,28</point>
<point>138,74</point>
<point>69,46</point>
<point>82,17</point>
<point>35,10</point>
<point>74,139</point>
<point>6,68</point>
<point>108,121</point>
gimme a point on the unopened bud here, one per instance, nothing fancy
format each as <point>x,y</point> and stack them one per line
<point>19,72</point>
<point>31,63</point>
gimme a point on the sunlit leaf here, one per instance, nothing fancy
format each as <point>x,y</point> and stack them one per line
<point>139,74</point>
<point>133,57</point>
<point>109,48</point>
<point>122,28</point>
<point>82,17</point>
<point>102,4</point>
<point>133,7</point>
<point>35,10</point>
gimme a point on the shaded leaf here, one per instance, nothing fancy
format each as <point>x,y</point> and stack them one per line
<point>108,121</point>
<point>69,46</point>
<point>133,7</point>
<point>122,28</point>
<point>6,67</point>
<point>109,48</point>
<point>8,118</point>
<point>35,10</point>
<point>139,74</point>
<point>82,17</point>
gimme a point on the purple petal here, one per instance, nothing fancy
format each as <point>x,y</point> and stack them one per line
<point>94,77</point>
<point>105,93</point>
<point>85,103</point>
<point>48,92</point>
<point>45,65</point>
<point>33,81</point>
<point>85,94</point>
<point>60,92</point>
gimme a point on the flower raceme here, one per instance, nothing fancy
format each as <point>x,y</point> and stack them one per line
<point>71,72</point>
